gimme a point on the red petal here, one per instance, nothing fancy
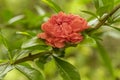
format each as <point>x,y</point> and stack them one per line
<point>78,25</point>
<point>42,35</point>
<point>75,37</point>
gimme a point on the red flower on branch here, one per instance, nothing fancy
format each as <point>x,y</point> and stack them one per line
<point>63,28</point>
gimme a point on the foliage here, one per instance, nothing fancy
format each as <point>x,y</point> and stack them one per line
<point>21,50</point>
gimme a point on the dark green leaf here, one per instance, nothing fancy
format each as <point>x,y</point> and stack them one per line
<point>105,57</point>
<point>90,13</point>
<point>4,69</point>
<point>29,72</point>
<point>67,70</point>
<point>52,5</point>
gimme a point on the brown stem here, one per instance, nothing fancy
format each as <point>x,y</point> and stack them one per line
<point>30,57</point>
<point>105,18</point>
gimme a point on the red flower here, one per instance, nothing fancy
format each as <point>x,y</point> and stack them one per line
<point>63,28</point>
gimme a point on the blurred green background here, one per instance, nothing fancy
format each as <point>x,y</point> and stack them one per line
<point>28,15</point>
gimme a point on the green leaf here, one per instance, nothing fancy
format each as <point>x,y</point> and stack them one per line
<point>88,41</point>
<point>5,42</point>
<point>16,18</point>
<point>20,54</point>
<point>102,10</point>
<point>67,70</point>
<point>24,33</point>
<point>32,42</point>
<point>52,5</point>
<point>116,20</point>
<point>116,28</point>
<point>3,39</point>
<point>105,57</point>
<point>98,3</point>
<point>29,72</point>
<point>42,60</point>
<point>90,13</point>
<point>103,6</point>
<point>109,4</point>
<point>4,69</point>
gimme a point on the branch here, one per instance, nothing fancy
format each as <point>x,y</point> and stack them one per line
<point>105,18</point>
<point>30,57</point>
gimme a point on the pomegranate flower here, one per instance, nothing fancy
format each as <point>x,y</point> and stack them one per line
<point>63,28</point>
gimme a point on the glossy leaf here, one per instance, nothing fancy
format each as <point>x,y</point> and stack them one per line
<point>32,42</point>
<point>29,72</point>
<point>106,59</point>
<point>67,70</point>
<point>52,5</point>
<point>4,69</point>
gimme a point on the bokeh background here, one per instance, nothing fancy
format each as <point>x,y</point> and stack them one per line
<point>28,15</point>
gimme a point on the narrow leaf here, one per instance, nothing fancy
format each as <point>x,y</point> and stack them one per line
<point>24,33</point>
<point>16,18</point>
<point>116,20</point>
<point>67,70</point>
<point>90,13</point>
<point>52,5</point>
<point>105,57</point>
<point>116,28</point>
<point>29,72</point>
<point>96,2</point>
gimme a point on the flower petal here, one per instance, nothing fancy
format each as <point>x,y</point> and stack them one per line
<point>75,37</point>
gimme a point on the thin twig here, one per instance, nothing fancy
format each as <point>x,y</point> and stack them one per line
<point>105,18</point>
<point>30,57</point>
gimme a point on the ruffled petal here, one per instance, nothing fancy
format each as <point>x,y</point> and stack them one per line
<point>75,37</point>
